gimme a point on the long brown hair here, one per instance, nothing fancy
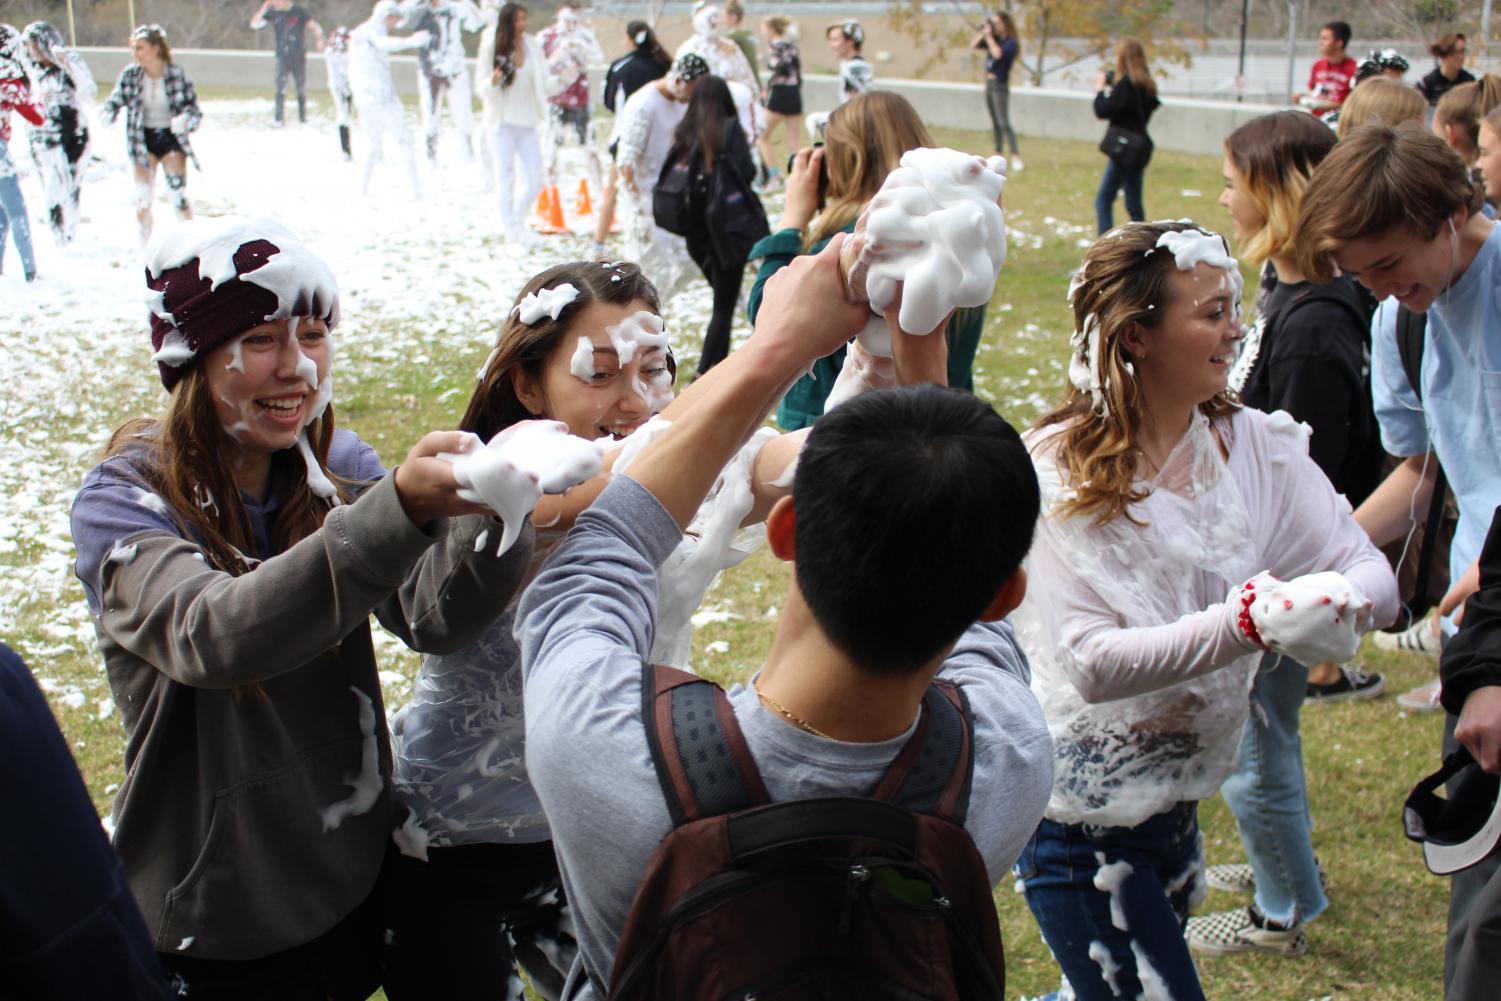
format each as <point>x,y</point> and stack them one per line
<point>1006,19</point>
<point>710,112</point>
<point>154,34</point>
<point>1275,155</point>
<point>1131,62</point>
<point>184,457</point>
<point>1123,281</point>
<point>494,405</point>
<point>506,42</point>
<point>864,141</point>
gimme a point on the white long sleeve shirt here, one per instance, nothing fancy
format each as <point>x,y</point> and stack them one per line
<point>1137,658</point>
<point>370,48</point>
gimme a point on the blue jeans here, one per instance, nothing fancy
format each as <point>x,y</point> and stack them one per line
<point>1111,184</point>
<point>13,216</point>
<point>1269,796</point>
<point>1112,902</point>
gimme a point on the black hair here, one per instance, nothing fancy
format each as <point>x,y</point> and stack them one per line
<point>646,43</point>
<point>913,507</point>
<point>703,126</point>
<point>1340,29</point>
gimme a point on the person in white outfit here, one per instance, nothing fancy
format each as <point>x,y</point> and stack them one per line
<point>514,81</point>
<point>442,68</point>
<point>336,59</point>
<point>725,59</point>
<point>646,125</point>
<point>370,48</point>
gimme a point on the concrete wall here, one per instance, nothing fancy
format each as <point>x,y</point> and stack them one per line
<point>1182,124</point>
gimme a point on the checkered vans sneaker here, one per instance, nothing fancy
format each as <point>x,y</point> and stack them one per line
<point>1244,930</point>
<point>1238,877</point>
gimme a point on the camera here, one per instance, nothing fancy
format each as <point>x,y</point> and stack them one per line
<point>1110,78</point>
<point>823,174</point>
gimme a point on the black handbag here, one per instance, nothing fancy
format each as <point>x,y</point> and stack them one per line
<point>1130,150</point>
<point>670,207</point>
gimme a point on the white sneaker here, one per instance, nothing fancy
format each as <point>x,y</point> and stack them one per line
<point>1423,699</point>
<point>1015,163</point>
<point>1416,638</point>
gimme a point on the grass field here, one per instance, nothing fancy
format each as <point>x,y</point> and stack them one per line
<point>1381,938</point>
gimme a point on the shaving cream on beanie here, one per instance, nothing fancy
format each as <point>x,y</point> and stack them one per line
<point>690,66</point>
<point>211,280</point>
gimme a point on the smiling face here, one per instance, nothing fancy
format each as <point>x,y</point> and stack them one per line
<point>145,52</point>
<point>264,382</point>
<point>1401,264</point>
<point>841,47</point>
<point>589,389</point>
<point>1185,359</point>
<point>1246,217</point>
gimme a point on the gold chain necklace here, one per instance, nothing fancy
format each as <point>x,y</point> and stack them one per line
<point>796,721</point>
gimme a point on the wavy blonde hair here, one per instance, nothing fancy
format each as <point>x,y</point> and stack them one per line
<point>864,141</point>
<point>1123,282</point>
<point>1382,100</point>
<point>1275,155</point>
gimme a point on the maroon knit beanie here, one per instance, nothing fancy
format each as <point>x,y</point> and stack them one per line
<point>191,314</point>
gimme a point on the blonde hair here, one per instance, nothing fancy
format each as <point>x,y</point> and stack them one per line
<point>1131,61</point>
<point>1275,155</point>
<point>1378,180</point>
<point>864,141</point>
<point>1464,106</point>
<point>1380,99</point>
<point>1123,282</point>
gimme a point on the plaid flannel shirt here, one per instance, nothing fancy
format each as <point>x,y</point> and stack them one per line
<point>181,99</point>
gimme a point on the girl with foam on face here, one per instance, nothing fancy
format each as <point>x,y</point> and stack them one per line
<point>161,110</point>
<point>232,552</point>
<point>584,345</point>
<point>1181,538</point>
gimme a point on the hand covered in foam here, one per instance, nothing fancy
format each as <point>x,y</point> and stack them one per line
<point>512,472</point>
<point>863,372</point>
<point>1314,618</point>
<point>936,229</point>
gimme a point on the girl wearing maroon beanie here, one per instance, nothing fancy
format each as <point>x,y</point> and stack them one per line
<point>232,551</point>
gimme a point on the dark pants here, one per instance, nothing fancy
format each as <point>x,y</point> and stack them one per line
<point>725,280</point>
<point>296,68</point>
<point>342,964</point>
<point>998,99</point>
<point>1112,902</point>
<point>577,117</point>
<point>462,921</point>
<point>1472,950</point>
<point>1115,180</point>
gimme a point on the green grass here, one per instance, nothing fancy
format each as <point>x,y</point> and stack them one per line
<point>1381,938</point>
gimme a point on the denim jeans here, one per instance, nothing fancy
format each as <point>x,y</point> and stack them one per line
<point>1113,182</point>
<point>13,218</point>
<point>998,100</point>
<point>1112,903</point>
<point>1269,796</point>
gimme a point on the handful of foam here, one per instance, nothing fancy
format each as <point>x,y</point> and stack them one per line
<point>520,464</point>
<point>1314,618</point>
<point>936,228</point>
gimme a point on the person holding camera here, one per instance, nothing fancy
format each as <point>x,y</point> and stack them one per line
<point>1126,98</point>
<point>827,187</point>
<point>997,36</point>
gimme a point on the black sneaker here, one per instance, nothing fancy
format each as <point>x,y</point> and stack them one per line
<point>1352,683</point>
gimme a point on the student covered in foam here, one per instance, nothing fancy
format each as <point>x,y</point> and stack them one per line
<point>232,552</point>
<point>1161,501</point>
<point>864,142</point>
<point>584,346</point>
<point>906,524</point>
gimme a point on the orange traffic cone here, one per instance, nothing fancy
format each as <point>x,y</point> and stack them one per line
<point>553,222</point>
<point>539,211</point>
<point>582,205</point>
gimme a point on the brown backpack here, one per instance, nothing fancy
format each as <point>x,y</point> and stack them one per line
<point>831,898</point>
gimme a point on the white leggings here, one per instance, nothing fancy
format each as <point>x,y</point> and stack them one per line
<point>518,142</point>
<point>380,119</point>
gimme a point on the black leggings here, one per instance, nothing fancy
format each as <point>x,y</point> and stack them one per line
<point>726,282</point>
<point>462,921</point>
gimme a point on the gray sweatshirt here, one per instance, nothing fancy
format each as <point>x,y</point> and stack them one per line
<point>252,820</point>
<point>585,624</point>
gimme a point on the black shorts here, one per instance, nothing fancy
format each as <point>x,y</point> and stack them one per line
<point>785,99</point>
<point>160,142</point>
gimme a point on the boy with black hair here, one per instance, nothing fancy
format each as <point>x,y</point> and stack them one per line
<point>1333,75</point>
<point>1395,208</point>
<point>910,513</point>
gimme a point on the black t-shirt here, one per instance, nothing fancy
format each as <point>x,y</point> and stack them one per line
<point>1313,361</point>
<point>1435,85</point>
<point>290,26</point>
